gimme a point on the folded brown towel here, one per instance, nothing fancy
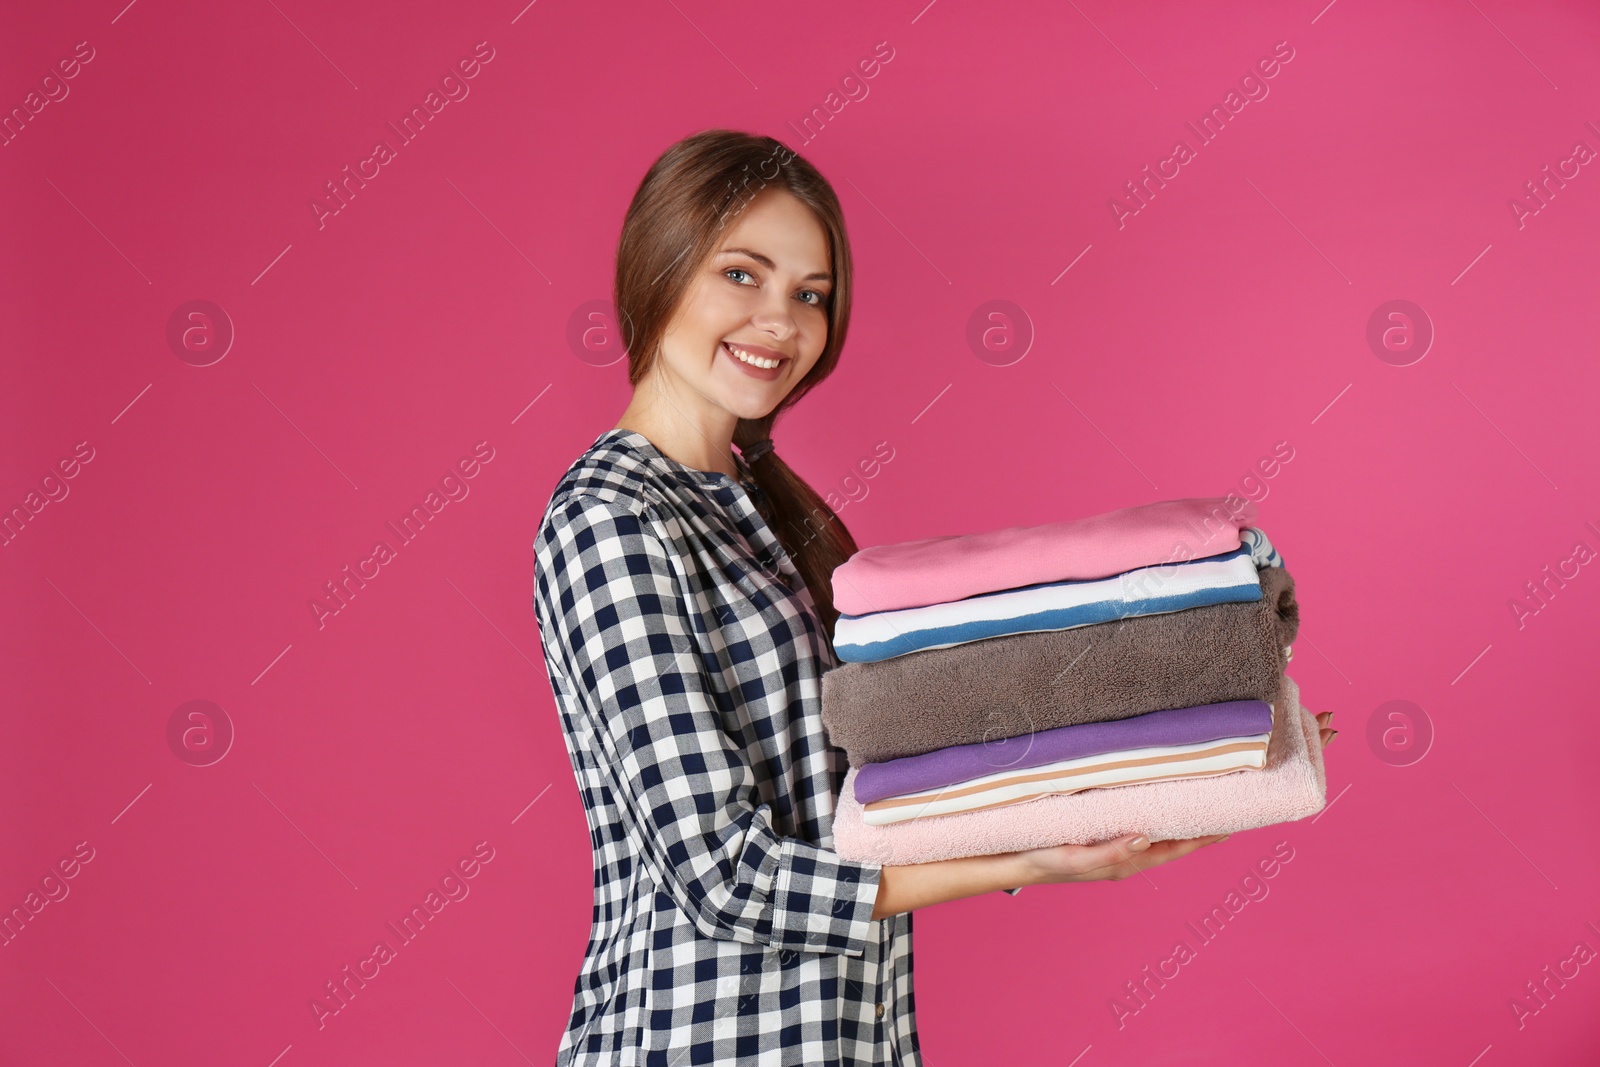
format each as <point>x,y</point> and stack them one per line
<point>1014,685</point>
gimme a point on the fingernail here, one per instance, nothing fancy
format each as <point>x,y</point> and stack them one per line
<point>1332,736</point>
<point>1139,844</point>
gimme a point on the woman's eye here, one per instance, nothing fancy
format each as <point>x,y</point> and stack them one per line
<point>820,301</point>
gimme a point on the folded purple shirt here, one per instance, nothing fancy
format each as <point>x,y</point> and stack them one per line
<point>960,763</point>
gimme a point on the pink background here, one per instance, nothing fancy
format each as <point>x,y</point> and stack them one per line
<point>373,752</point>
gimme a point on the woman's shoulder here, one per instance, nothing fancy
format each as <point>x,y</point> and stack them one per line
<point>610,475</point>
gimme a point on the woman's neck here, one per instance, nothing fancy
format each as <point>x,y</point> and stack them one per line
<point>687,444</point>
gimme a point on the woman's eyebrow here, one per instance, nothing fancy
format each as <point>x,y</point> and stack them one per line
<point>767,263</point>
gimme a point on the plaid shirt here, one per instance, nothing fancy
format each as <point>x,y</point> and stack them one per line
<point>686,657</point>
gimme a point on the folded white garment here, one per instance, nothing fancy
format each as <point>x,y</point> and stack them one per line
<point>1228,578</point>
<point>1260,546</point>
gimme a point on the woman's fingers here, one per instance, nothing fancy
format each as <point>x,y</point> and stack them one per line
<point>1325,727</point>
<point>1071,863</point>
<point>1114,859</point>
<point>1161,852</point>
<point>1109,855</point>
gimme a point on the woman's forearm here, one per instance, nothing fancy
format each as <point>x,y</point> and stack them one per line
<point>916,885</point>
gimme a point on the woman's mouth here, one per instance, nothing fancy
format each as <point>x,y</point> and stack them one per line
<point>753,363</point>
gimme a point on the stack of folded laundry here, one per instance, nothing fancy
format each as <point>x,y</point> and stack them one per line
<point>1068,683</point>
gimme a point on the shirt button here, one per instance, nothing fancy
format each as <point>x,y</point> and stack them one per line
<point>880,1009</point>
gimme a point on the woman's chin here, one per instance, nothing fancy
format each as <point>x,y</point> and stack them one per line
<point>753,403</point>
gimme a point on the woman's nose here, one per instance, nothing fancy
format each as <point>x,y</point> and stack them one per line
<point>775,317</point>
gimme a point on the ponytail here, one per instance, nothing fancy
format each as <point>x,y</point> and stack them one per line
<point>811,532</point>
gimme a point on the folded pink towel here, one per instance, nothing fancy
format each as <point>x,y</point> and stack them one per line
<point>937,570</point>
<point>1291,786</point>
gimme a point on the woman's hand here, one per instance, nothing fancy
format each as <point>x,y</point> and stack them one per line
<point>1118,858</point>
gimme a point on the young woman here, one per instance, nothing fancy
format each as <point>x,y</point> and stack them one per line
<point>683,596</point>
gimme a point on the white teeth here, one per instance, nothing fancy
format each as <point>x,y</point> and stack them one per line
<point>745,357</point>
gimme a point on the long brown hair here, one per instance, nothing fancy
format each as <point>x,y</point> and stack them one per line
<point>689,195</point>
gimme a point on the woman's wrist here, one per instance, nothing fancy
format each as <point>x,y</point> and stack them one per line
<point>1000,872</point>
<point>906,888</point>
<point>1020,871</point>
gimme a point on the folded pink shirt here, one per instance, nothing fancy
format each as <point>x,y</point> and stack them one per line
<point>937,570</point>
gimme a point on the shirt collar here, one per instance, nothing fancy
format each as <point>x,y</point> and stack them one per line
<point>683,472</point>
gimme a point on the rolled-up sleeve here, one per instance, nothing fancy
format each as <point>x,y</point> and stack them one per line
<point>616,620</point>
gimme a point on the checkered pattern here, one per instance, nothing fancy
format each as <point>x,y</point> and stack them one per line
<point>686,657</point>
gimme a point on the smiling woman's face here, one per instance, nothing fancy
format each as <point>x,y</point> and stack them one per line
<point>765,292</point>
